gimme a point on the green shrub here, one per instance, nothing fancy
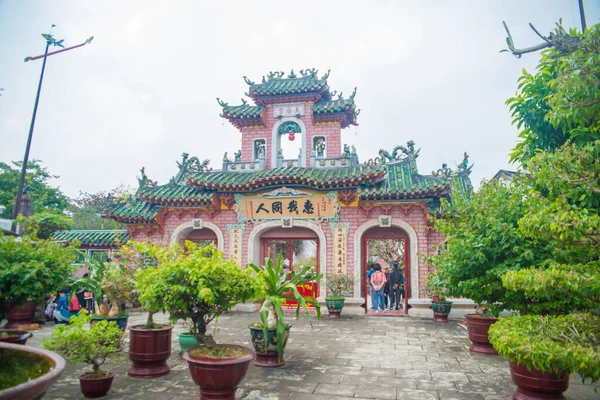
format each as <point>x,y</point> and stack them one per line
<point>79,343</point>
<point>565,343</point>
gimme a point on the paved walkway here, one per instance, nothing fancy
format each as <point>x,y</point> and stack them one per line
<point>349,358</point>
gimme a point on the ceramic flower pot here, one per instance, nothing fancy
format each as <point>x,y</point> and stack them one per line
<point>149,350</point>
<point>218,378</point>
<point>187,340</point>
<point>334,306</point>
<point>20,315</point>
<point>266,350</point>
<point>95,387</point>
<point>532,385</point>
<point>478,328</point>
<point>441,309</point>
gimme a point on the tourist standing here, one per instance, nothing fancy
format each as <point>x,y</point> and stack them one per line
<point>395,286</point>
<point>378,281</point>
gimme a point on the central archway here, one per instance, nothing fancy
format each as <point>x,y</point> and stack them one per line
<point>183,230</point>
<point>412,249</point>
<point>259,229</point>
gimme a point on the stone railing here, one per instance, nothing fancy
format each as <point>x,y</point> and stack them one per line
<point>337,162</point>
<point>244,166</point>
<point>288,163</point>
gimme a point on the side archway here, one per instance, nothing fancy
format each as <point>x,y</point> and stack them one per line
<point>412,239</point>
<point>254,246</point>
<point>183,230</point>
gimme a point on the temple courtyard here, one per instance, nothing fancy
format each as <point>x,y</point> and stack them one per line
<point>350,358</point>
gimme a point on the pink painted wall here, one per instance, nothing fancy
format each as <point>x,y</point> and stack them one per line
<point>331,131</point>
<point>415,217</point>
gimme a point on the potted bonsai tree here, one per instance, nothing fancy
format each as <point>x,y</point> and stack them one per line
<point>556,331</point>
<point>26,257</point>
<point>483,242</point>
<point>269,337</point>
<point>339,286</point>
<point>150,343</point>
<point>201,285</point>
<point>78,343</point>
<point>435,290</point>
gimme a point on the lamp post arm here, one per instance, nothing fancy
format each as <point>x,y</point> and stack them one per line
<point>17,207</point>
<point>89,40</point>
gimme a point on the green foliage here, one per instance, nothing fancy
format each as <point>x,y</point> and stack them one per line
<point>553,344</point>
<point>31,268</point>
<point>87,208</point>
<point>280,286</point>
<point>483,242</point>
<point>435,287</point>
<point>197,284</point>
<point>92,346</point>
<point>43,196</point>
<point>45,223</point>
<point>339,284</point>
<point>561,102</point>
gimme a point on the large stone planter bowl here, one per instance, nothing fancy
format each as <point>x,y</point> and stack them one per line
<point>534,384</point>
<point>266,350</point>
<point>35,388</point>
<point>20,315</point>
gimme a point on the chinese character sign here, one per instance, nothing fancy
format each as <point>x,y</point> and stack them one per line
<point>297,207</point>
<point>235,244</point>
<point>339,249</point>
<point>288,110</point>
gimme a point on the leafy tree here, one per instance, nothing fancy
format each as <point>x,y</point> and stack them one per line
<point>44,197</point>
<point>483,242</point>
<point>389,250</point>
<point>87,208</point>
<point>561,101</point>
<point>43,224</point>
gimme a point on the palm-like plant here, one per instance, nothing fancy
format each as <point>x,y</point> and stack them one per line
<point>281,285</point>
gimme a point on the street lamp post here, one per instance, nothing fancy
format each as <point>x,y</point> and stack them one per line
<point>49,41</point>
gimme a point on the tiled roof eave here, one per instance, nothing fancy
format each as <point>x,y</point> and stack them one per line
<point>264,100</point>
<point>402,195</point>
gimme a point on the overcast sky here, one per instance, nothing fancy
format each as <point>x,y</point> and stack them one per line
<point>144,90</point>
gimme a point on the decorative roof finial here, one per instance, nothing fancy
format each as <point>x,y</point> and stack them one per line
<point>221,103</point>
<point>248,81</point>
<point>291,74</point>
<point>353,94</point>
<point>324,77</point>
<point>244,102</point>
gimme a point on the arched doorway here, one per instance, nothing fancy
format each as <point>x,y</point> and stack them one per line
<point>299,248</point>
<point>385,246</point>
<point>208,233</point>
<point>289,143</point>
<point>302,230</point>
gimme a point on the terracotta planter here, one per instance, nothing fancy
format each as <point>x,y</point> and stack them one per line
<point>478,328</point>
<point>441,309</point>
<point>35,388</point>
<point>121,320</point>
<point>266,351</point>
<point>334,306</point>
<point>95,387</point>
<point>15,337</point>
<point>149,350</point>
<point>532,385</point>
<point>20,315</point>
<point>218,379</point>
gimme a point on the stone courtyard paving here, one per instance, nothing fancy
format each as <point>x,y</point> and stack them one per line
<point>349,358</point>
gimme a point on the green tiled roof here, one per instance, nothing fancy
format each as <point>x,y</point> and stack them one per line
<point>317,178</point>
<point>282,86</point>
<point>242,111</point>
<point>110,238</point>
<point>133,212</point>
<point>174,194</point>
<point>402,183</point>
<point>333,106</point>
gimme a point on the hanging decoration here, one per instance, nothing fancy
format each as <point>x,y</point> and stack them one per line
<point>290,128</point>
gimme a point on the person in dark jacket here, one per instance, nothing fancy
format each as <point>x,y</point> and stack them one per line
<point>396,282</point>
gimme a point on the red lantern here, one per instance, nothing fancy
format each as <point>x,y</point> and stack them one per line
<point>292,137</point>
